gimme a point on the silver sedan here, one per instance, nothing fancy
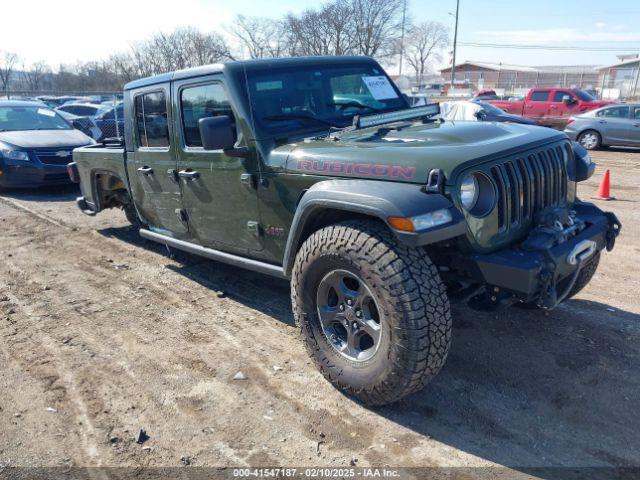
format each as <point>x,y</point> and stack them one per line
<point>611,125</point>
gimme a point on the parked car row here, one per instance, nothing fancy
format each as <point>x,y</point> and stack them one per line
<point>36,144</point>
<point>107,119</point>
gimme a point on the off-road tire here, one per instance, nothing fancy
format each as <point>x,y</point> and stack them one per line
<point>598,143</point>
<point>415,314</point>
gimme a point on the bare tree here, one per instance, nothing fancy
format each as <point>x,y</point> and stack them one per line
<point>8,61</point>
<point>327,31</point>
<point>261,37</point>
<point>377,26</point>
<point>36,74</point>
<point>422,44</point>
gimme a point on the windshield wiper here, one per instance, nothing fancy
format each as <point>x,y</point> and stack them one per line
<point>352,103</point>
<point>300,116</point>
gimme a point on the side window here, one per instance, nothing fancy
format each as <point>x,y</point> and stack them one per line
<point>540,96</point>
<point>151,119</point>
<point>200,102</point>
<point>560,96</point>
<point>615,112</point>
<point>636,113</point>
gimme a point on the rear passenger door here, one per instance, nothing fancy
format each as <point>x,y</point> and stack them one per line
<point>615,125</point>
<point>152,164</point>
<point>537,106</point>
<point>218,191</point>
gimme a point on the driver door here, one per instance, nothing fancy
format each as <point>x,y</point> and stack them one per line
<point>219,192</point>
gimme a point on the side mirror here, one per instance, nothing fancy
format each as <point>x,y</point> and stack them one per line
<point>217,133</point>
<point>77,125</point>
<point>481,115</point>
<point>568,101</point>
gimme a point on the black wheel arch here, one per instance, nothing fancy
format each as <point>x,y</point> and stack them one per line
<point>333,201</point>
<point>109,190</point>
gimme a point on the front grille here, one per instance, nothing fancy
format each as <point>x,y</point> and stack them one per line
<point>54,156</point>
<point>529,183</point>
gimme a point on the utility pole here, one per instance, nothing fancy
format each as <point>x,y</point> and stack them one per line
<point>404,19</point>
<point>455,44</point>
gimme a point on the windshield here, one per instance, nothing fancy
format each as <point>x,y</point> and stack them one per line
<point>582,95</point>
<point>290,101</point>
<point>31,118</point>
<point>490,108</point>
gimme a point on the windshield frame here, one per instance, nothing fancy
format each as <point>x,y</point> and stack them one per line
<point>56,115</point>
<point>306,128</point>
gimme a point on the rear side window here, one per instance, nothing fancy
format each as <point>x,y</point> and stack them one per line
<point>615,112</point>
<point>540,96</point>
<point>151,119</point>
<point>200,102</point>
<point>560,96</point>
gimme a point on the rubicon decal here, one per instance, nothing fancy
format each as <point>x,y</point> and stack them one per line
<point>349,168</point>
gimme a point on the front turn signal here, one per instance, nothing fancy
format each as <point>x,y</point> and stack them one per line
<point>421,222</point>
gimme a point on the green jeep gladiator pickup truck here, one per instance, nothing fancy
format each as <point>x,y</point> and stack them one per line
<point>316,170</point>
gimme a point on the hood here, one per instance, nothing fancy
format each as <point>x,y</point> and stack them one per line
<point>45,138</point>
<point>409,154</point>
<point>509,117</point>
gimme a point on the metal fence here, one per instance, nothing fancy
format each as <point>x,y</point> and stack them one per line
<point>97,114</point>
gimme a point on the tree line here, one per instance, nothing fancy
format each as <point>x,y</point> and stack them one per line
<point>376,28</point>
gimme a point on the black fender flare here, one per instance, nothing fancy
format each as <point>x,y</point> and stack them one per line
<point>377,199</point>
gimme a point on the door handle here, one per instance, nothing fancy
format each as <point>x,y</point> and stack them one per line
<point>553,107</point>
<point>636,124</point>
<point>189,174</point>
<point>146,170</point>
<point>602,121</point>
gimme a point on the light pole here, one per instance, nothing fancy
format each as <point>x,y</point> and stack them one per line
<point>455,44</point>
<point>404,19</point>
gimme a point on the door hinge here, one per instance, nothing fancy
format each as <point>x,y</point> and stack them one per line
<point>182,214</point>
<point>248,180</point>
<point>254,226</point>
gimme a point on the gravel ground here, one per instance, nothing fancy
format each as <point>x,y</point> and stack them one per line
<point>104,334</point>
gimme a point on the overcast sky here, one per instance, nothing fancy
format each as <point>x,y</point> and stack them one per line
<point>66,31</point>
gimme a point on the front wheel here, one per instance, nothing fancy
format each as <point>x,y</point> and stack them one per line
<point>373,313</point>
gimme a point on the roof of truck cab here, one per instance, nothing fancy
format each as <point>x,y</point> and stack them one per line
<point>244,64</point>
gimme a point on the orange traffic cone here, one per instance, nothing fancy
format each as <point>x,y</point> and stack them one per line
<point>603,190</point>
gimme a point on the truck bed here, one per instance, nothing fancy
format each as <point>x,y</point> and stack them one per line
<point>98,159</point>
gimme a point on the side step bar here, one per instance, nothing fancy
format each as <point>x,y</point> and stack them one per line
<point>235,260</point>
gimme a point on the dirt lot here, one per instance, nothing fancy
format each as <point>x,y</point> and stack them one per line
<point>104,334</point>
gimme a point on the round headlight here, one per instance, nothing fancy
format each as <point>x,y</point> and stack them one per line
<point>469,191</point>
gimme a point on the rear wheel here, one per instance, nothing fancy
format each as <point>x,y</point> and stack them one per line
<point>590,139</point>
<point>132,215</point>
<point>373,313</point>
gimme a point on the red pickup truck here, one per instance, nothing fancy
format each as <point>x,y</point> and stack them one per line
<point>551,106</point>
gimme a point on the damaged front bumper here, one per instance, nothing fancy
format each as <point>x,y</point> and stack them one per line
<point>543,269</point>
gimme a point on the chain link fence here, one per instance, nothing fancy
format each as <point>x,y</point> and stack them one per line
<point>613,83</point>
<point>97,114</point>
